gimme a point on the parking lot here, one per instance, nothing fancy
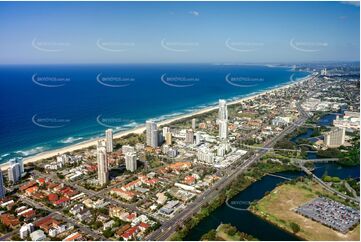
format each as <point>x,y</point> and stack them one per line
<point>330,213</point>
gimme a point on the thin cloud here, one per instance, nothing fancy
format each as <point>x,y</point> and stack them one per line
<point>194,13</point>
<point>354,3</point>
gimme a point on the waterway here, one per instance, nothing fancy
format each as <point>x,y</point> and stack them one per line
<point>249,223</point>
<point>235,210</point>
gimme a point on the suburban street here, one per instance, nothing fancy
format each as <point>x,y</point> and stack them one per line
<point>169,227</point>
<point>63,217</point>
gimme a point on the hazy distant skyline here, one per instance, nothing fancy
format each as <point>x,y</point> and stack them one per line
<point>178,32</point>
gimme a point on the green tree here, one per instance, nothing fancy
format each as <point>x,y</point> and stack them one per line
<point>295,227</point>
<point>108,233</point>
<point>211,235</point>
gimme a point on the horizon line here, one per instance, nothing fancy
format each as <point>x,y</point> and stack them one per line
<point>189,63</point>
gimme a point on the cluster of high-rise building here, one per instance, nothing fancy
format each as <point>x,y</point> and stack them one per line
<point>204,153</point>
<point>104,147</point>
<point>15,172</point>
<point>153,139</point>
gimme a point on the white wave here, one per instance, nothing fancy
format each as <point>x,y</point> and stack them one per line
<point>272,66</point>
<point>167,116</point>
<point>31,151</point>
<point>130,125</point>
<point>70,140</point>
<point>120,128</point>
<point>200,107</point>
<point>4,155</point>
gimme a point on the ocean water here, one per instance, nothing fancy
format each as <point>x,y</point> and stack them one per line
<point>44,107</point>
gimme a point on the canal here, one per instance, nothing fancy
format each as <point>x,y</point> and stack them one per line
<point>249,223</point>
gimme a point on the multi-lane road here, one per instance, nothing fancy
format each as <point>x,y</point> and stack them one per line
<point>170,226</point>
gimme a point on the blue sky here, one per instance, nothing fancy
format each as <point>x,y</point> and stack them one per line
<point>178,32</point>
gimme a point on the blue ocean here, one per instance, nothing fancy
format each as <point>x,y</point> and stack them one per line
<point>44,107</point>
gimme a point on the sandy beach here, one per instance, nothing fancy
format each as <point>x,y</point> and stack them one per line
<point>140,129</point>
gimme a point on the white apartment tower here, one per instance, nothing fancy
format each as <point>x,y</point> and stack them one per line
<point>223,129</point>
<point>18,160</point>
<point>189,136</point>
<point>131,161</point>
<point>2,187</point>
<point>194,123</point>
<point>166,130</point>
<point>198,138</point>
<point>335,137</point>
<point>222,111</point>
<point>14,172</point>
<point>103,173</point>
<point>151,133</point>
<point>168,138</point>
<point>223,120</point>
<point>109,140</point>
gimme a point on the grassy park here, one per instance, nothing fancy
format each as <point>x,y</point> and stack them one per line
<point>278,206</point>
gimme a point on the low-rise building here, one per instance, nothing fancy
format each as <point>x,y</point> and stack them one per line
<point>127,195</point>
<point>38,235</point>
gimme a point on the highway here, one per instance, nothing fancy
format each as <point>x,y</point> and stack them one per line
<point>170,226</point>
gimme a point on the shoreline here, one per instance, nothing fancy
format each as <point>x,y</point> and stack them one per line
<point>140,129</point>
<point>275,224</point>
<point>252,180</point>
